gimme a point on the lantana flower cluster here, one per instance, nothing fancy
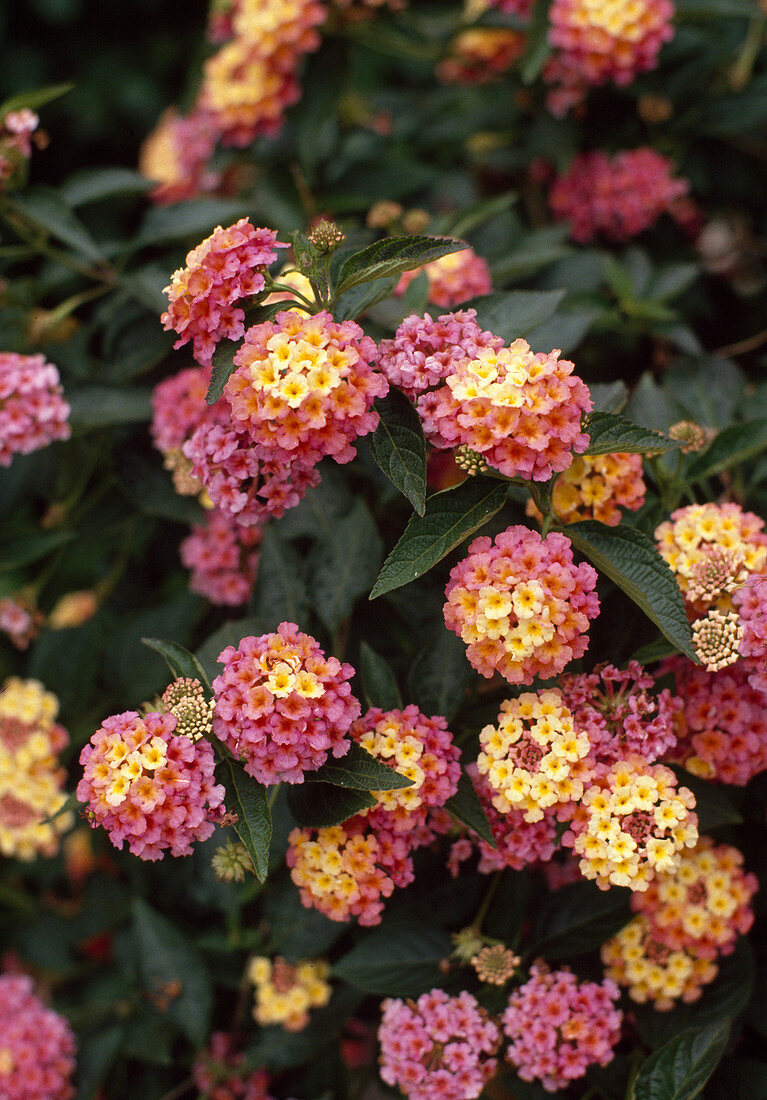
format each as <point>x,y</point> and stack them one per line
<point>179,408</point>
<point>559,1026</point>
<point>621,712</point>
<point>417,747</point>
<point>175,156</point>
<point>305,386</point>
<point>225,267</point>
<point>37,1046</point>
<point>219,1072</point>
<point>33,412</point>
<point>531,757</point>
<point>721,724</point>
<point>479,54</point>
<point>453,279</point>
<point>597,487</point>
<point>282,706</point>
<point>751,608</point>
<point>222,557</point>
<point>31,779</point>
<point>18,130</point>
<point>520,410</point>
<point>20,620</point>
<point>521,604</point>
<point>146,784</point>
<point>438,1047</point>
<point>286,992</point>
<point>596,41</point>
<point>617,197</point>
<point>686,920</point>
<point>632,823</point>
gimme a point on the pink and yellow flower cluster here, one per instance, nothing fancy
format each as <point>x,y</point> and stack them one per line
<point>37,1046</point>
<point>286,992</point>
<point>33,412</point>
<point>453,279</point>
<point>597,487</point>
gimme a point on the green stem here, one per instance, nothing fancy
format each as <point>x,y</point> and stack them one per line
<point>19,223</point>
<point>271,798</point>
<point>742,70</point>
<point>486,901</point>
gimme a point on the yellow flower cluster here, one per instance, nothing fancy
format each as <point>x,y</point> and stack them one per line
<point>285,993</point>
<point>711,549</point>
<point>596,487</point>
<point>402,751</point>
<point>532,757</point>
<point>30,779</point>
<point>651,970</point>
<point>294,368</point>
<point>632,823</point>
<point>500,376</point>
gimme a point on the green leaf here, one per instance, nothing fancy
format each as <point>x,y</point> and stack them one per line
<point>392,256</point>
<point>378,680</point>
<point>610,397</point>
<point>733,445</point>
<point>296,932</point>
<point>631,561</point>
<point>166,958</point>
<point>46,208</point>
<point>25,549</point>
<point>150,488</point>
<point>513,313</point>
<point>451,516</point>
<point>399,960</point>
<point>399,448</point>
<point>358,299</point>
<point>680,1068</point>
<point>96,1054</point>
<point>279,594</point>
<point>538,48</point>
<point>611,434</point>
<point>715,9</point>
<point>97,184</point>
<point>465,805</point>
<point>359,770</point>
<point>102,406</point>
<point>440,674</point>
<point>654,651</point>
<point>247,798</point>
<point>319,805</point>
<point>578,918</point>
<point>34,98</point>
<point>565,329</point>
<point>181,662</point>
<point>189,222</point>
<point>223,365</point>
<point>713,807</point>
<point>344,565</point>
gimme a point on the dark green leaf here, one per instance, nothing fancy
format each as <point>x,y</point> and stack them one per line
<point>631,561</point>
<point>280,593</point>
<point>319,805</point>
<point>344,565</point>
<point>247,798</point>
<point>564,330</point>
<point>713,807</point>
<point>297,932</point>
<point>46,208</point>
<point>451,516</point>
<point>358,770</point>
<point>189,221</point>
<point>354,302</point>
<point>96,184</point>
<point>513,313</point>
<point>103,406</point>
<point>181,662</point>
<point>538,48</point>
<point>704,389</point>
<point>534,251</point>
<point>578,918</point>
<point>15,552</point>
<point>168,958</point>
<point>399,960</point>
<point>399,447</point>
<point>151,489</point>
<point>378,680</point>
<point>733,445</point>
<point>440,674</point>
<point>96,1054</point>
<point>611,434</point>
<point>34,98</point>
<point>654,651</point>
<point>715,9</point>
<point>609,397</point>
<point>465,805</point>
<point>392,256</point>
<point>680,1069</point>
<point>230,633</point>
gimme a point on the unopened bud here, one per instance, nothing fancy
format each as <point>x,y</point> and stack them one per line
<point>692,436</point>
<point>471,462</point>
<point>185,700</point>
<point>716,639</point>
<point>495,965</point>
<point>326,236</point>
<point>231,862</point>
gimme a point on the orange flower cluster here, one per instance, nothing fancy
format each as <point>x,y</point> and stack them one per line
<point>596,487</point>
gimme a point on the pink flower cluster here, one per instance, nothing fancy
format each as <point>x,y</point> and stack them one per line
<point>452,279</point>
<point>519,842</point>
<point>33,412</point>
<point>176,155</point>
<point>751,605</point>
<point>423,352</point>
<point>618,711</point>
<point>417,747</point>
<point>179,408</point>
<point>227,266</point>
<point>519,410</point>
<point>146,785</point>
<point>305,386</point>
<point>37,1046</point>
<point>219,1072</point>
<point>16,130</point>
<point>521,8</point>
<point>617,197</point>
<point>479,54</point>
<point>521,604</point>
<point>559,1026</point>
<point>438,1047</point>
<point>223,557</point>
<point>20,620</point>
<point>721,724</point>
<point>282,706</point>
<point>599,40</point>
